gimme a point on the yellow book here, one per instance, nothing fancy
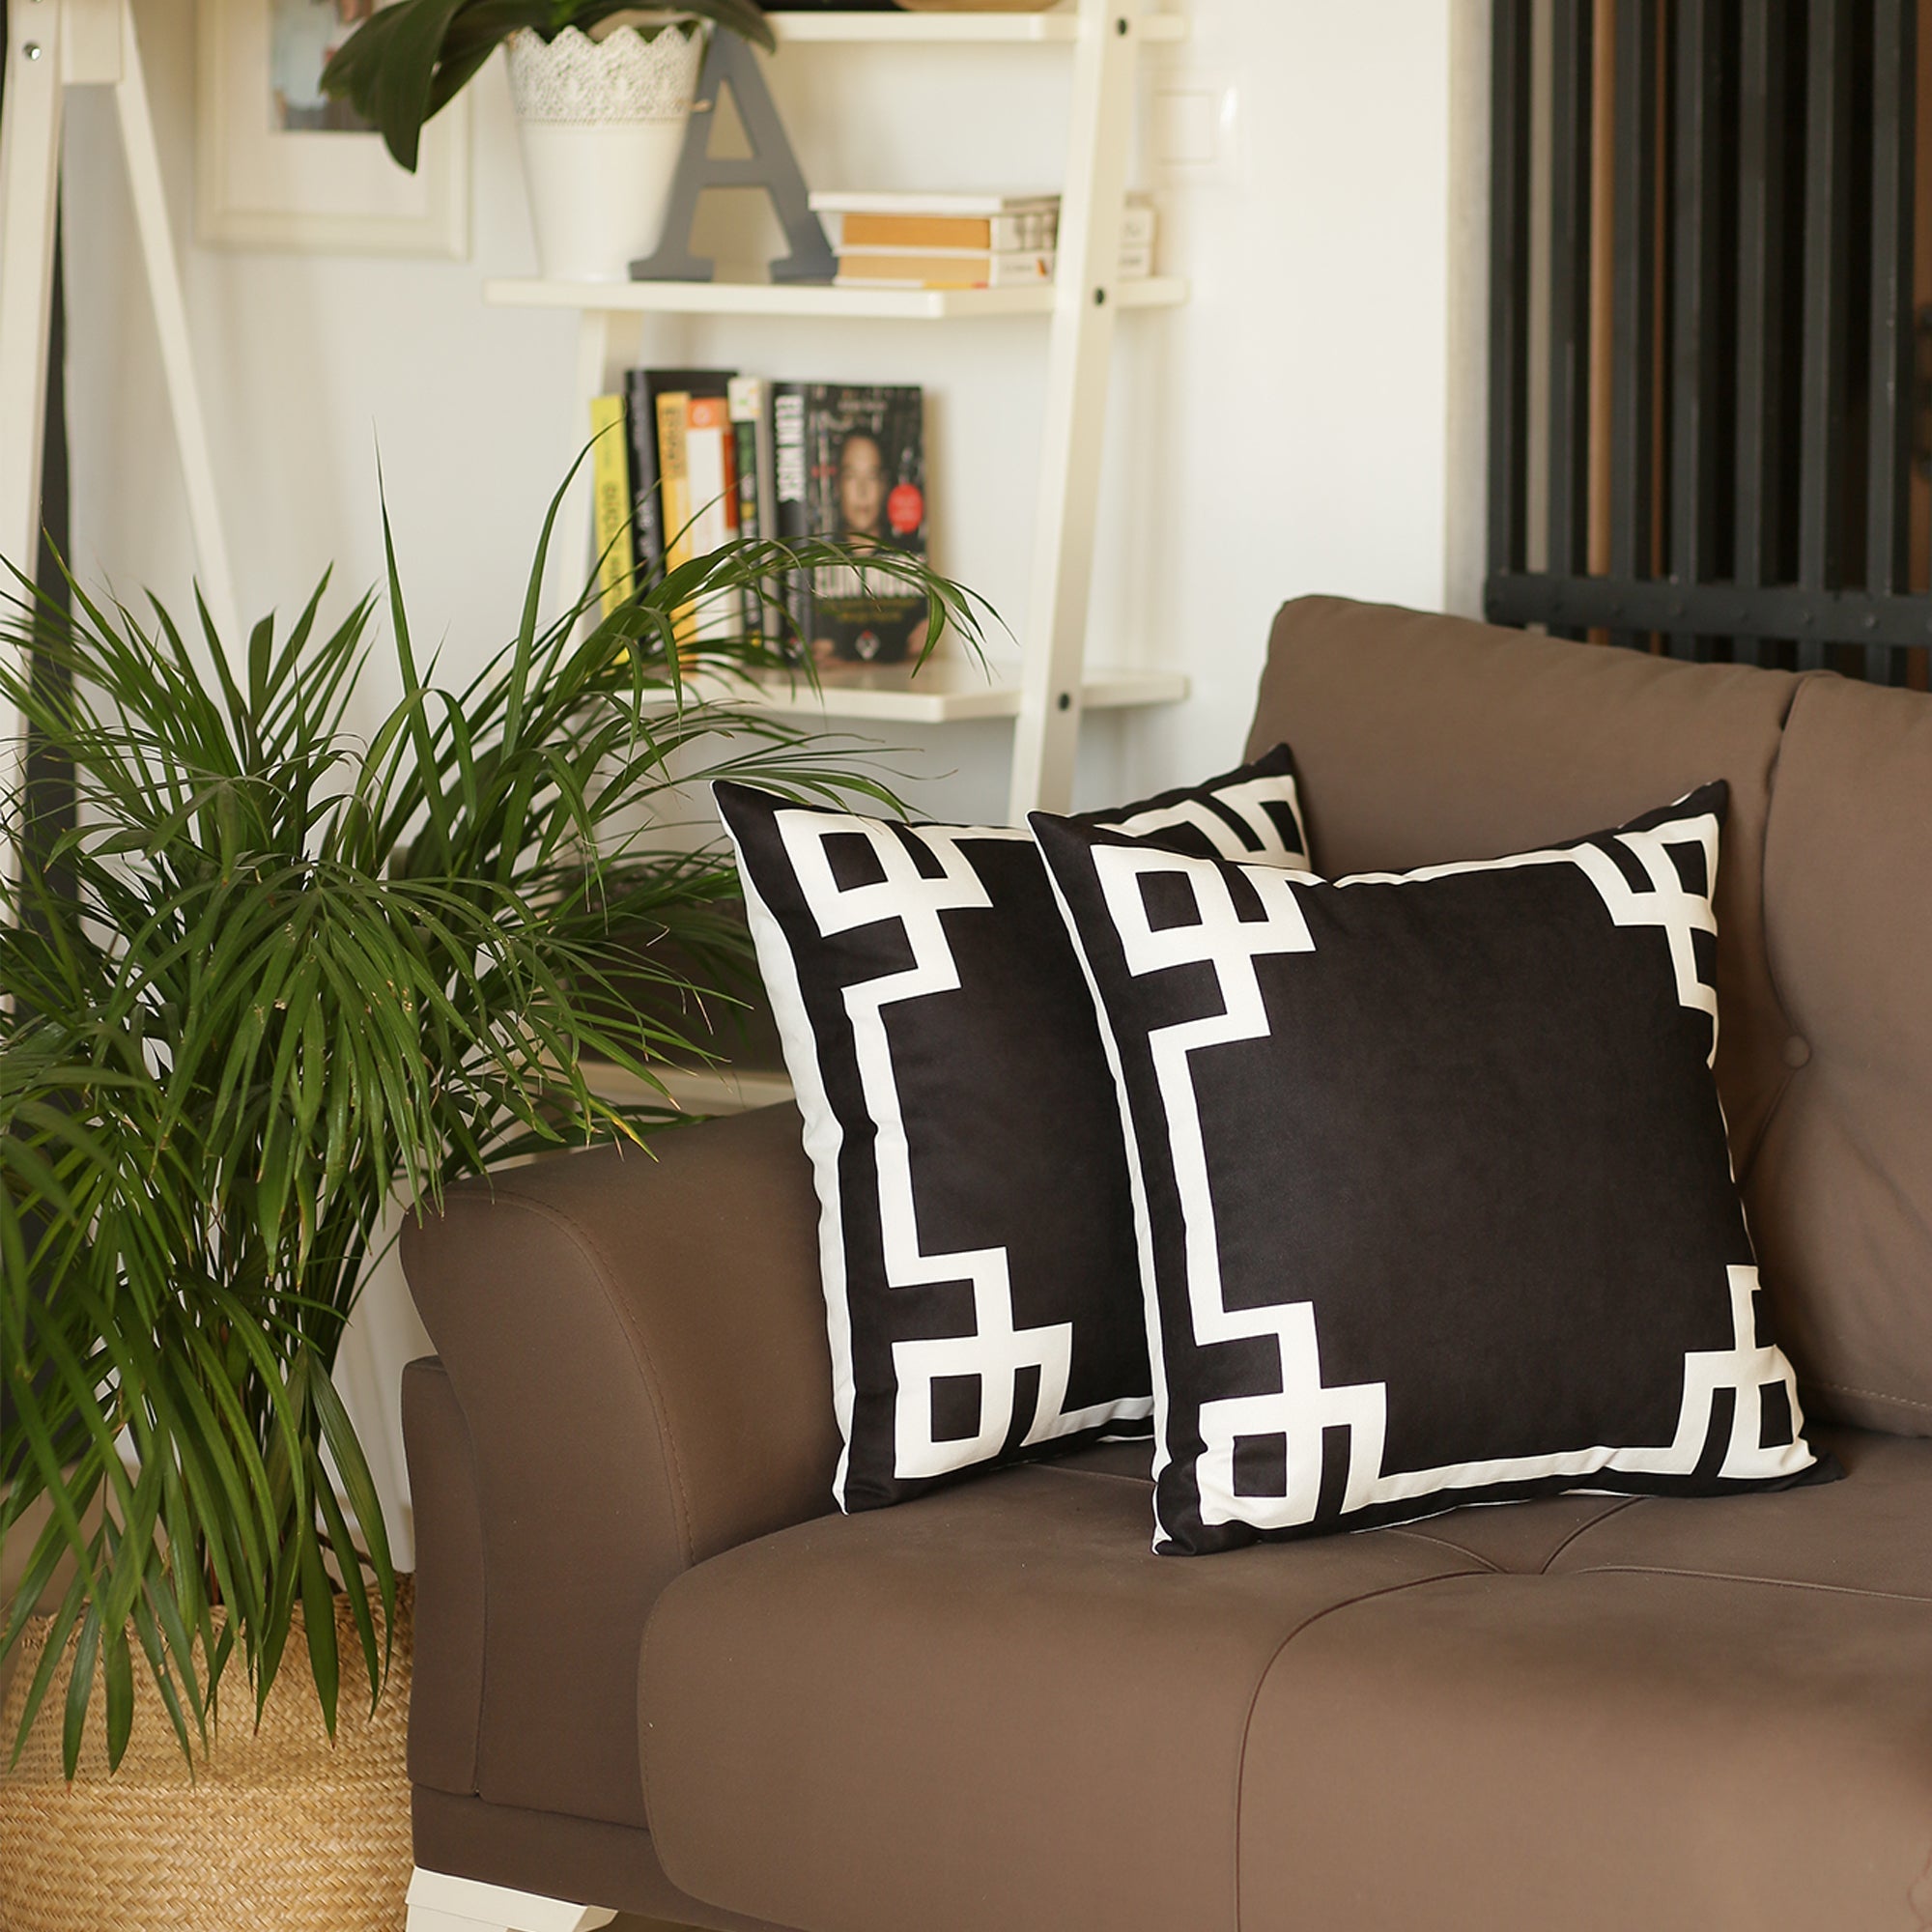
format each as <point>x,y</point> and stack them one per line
<point>674,486</point>
<point>611,497</point>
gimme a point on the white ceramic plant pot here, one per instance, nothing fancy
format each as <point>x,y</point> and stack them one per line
<point>602,126</point>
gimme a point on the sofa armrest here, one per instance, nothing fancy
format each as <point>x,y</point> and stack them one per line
<point>635,1343</point>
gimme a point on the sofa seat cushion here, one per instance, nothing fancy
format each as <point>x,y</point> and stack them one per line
<point>994,1706</point>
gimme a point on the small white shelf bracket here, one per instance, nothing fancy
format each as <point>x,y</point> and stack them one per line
<point>52,46</point>
<point>1079,355</point>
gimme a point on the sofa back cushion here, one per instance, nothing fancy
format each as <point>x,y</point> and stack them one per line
<point>1424,739</point>
<point>1840,1190</point>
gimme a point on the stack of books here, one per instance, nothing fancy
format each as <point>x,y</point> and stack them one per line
<point>961,241</point>
<point>685,460</point>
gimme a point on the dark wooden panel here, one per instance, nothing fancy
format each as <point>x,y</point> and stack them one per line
<point>1633,292</point>
<point>1509,286</point>
<point>1570,136</point>
<point>1730,327</point>
<point>1761,273</point>
<point>1827,74</point>
<point>1696,226</point>
<point>1887,472</point>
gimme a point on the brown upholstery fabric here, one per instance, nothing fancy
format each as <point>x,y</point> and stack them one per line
<point>993,1708</point>
<point>558,1857</point>
<point>1422,739</point>
<point>446,1689</point>
<point>1681,1728</point>
<point>637,1344</point>
<point>1841,1193</point>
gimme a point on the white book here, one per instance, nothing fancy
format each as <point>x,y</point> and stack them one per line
<point>869,202</point>
<point>989,272</point>
<point>714,515</point>
<point>750,402</point>
<point>928,269</point>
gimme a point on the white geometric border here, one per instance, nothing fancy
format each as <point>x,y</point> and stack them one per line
<point>1304,1405</point>
<point>903,895</point>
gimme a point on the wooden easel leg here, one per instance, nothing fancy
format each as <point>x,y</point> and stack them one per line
<point>30,138</point>
<point>164,289</point>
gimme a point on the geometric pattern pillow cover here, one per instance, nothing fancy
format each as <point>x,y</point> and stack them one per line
<point>976,1232</point>
<point>1433,1193</point>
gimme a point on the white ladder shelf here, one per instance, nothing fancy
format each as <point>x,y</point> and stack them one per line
<point>1054,685</point>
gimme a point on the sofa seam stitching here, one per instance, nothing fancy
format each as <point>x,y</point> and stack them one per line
<point>1875,1395</point>
<point>1443,1543</point>
<point>1268,1670</point>
<point>1087,1475</point>
<point>1583,1528</point>
<point>1736,1577</point>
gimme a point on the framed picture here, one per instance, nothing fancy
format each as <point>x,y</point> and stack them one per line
<point>278,164</point>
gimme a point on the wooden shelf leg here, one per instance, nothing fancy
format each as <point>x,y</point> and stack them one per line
<point>1093,202</point>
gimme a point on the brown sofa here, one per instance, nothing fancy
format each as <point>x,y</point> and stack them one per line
<point>654,1673</point>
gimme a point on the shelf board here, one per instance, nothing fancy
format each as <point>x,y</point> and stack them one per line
<point>943,29</point>
<point>947,691</point>
<point>812,299</point>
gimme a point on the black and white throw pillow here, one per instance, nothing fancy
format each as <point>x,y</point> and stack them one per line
<point>976,1232</point>
<point>1434,1197</point>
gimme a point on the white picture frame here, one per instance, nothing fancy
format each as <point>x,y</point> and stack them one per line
<point>261,185</point>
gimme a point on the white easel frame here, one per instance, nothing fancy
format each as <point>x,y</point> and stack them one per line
<point>51,46</point>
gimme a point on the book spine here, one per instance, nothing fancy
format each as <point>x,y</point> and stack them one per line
<point>943,271</point>
<point>646,503</point>
<point>712,487</point>
<point>791,476</point>
<point>610,499</point>
<point>750,463</point>
<point>673,405</point>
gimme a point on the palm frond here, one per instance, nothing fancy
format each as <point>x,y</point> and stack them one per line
<point>276,973</point>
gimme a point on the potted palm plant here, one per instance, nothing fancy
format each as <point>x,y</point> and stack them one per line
<point>602,100</point>
<point>275,973</point>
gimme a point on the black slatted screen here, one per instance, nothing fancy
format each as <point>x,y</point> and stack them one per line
<point>1717,393</point>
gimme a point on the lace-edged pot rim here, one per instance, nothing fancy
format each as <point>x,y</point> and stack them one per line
<point>624,77</point>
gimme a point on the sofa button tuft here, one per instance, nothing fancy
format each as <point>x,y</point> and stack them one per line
<point>1797,1052</point>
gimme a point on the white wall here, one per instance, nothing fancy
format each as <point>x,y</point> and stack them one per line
<point>1294,429</point>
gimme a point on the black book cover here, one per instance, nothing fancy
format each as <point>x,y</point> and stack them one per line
<point>641,389</point>
<point>866,486</point>
<point>641,425</point>
<point>791,472</point>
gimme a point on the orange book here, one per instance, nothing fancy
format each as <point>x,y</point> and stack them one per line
<point>916,231</point>
<point>711,493</point>
<point>947,271</point>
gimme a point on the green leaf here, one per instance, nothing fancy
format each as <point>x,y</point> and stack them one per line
<point>118,1672</point>
<point>79,1691</point>
<point>318,1627</point>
